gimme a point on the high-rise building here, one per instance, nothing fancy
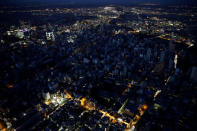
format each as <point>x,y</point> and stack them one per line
<point>50,36</point>
<point>20,34</point>
<point>171,46</point>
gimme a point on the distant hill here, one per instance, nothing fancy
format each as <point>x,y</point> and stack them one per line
<point>163,2</point>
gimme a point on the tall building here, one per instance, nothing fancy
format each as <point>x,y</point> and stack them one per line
<point>20,34</point>
<point>50,36</point>
<point>148,54</point>
<point>162,56</point>
<point>193,75</point>
<point>171,46</point>
<point>175,61</point>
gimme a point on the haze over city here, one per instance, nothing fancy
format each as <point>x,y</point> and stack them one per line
<point>89,2</point>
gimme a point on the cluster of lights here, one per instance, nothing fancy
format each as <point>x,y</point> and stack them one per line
<point>88,105</point>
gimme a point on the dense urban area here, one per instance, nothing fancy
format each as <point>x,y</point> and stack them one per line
<point>100,68</point>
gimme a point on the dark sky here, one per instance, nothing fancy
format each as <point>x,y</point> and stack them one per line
<point>23,2</point>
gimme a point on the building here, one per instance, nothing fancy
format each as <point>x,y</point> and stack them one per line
<point>50,36</point>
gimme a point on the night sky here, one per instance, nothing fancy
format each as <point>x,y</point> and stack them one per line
<point>25,2</point>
